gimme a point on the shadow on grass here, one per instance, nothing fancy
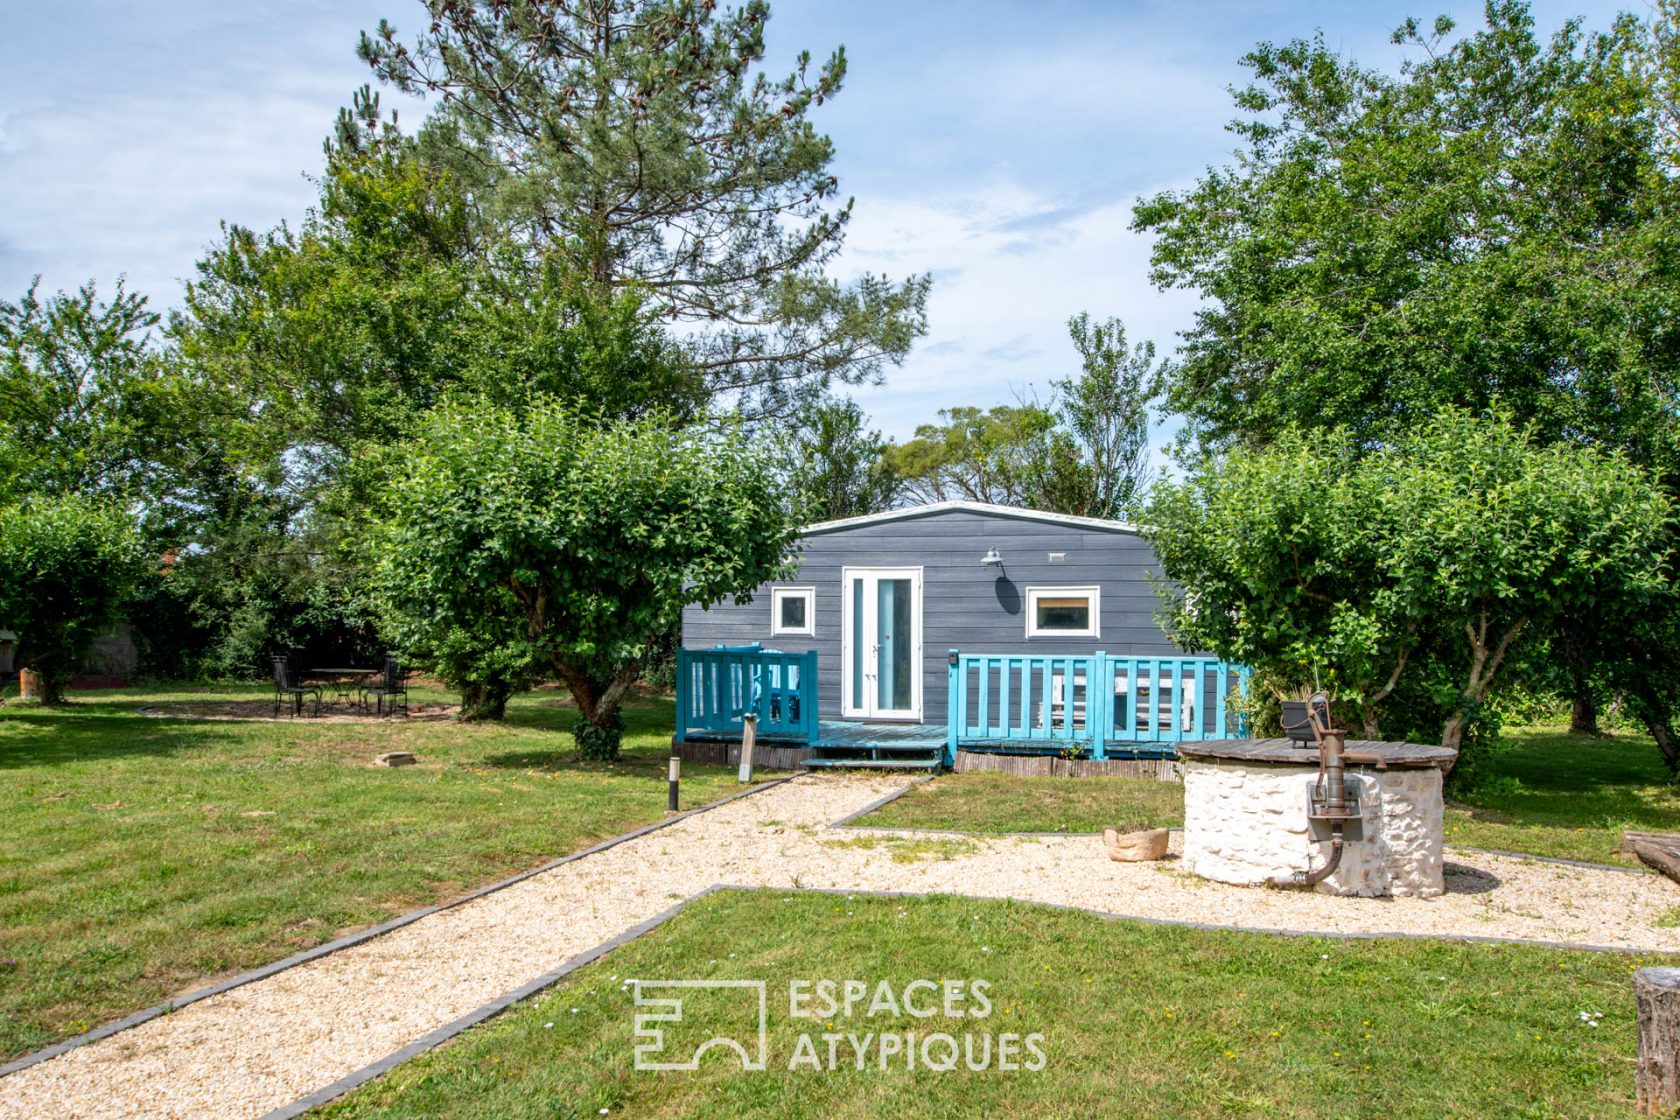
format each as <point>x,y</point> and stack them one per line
<point>533,760</point>
<point>58,738</point>
<point>1546,779</point>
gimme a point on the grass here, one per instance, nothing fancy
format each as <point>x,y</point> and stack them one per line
<point>1136,1020</point>
<point>1570,796</point>
<point>994,803</point>
<point>905,850</point>
<point>145,856</point>
<point>1552,794</point>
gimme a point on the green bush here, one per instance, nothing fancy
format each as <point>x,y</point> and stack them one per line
<point>66,568</point>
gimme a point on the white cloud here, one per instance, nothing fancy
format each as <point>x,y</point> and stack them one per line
<point>1001,298</point>
<point>123,157</point>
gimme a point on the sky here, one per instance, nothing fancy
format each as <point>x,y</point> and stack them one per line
<point>999,147</point>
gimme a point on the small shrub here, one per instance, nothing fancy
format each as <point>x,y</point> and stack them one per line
<point>599,744</point>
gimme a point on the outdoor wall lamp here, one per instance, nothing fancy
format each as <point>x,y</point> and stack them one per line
<point>992,559</point>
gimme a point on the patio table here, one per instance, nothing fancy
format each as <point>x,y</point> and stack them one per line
<point>342,681</point>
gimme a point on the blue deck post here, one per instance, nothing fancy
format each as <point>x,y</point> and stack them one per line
<point>956,704</point>
<point>682,697</point>
<point>1099,689</point>
<point>1242,686</point>
<point>808,696</point>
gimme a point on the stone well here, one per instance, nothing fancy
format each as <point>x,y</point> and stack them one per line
<point>1245,815</point>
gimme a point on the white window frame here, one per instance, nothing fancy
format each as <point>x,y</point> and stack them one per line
<point>1034,594</point>
<point>809,594</point>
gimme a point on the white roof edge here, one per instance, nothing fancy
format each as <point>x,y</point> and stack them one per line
<point>1015,512</point>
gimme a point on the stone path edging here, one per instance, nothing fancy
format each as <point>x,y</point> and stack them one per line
<point>1559,860</point>
<point>490,1010</point>
<point>846,821</point>
<point>345,1084</point>
<point>349,940</point>
<point>1328,935</point>
<point>466,966</point>
<point>526,991</point>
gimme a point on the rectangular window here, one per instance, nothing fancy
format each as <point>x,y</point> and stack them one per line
<point>793,611</point>
<point>1064,612</point>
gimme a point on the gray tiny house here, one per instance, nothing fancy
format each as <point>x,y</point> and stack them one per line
<point>961,624</point>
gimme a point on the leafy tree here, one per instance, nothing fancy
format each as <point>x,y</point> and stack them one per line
<point>1492,225</point>
<point>641,140</point>
<point>89,403</point>
<point>543,540</point>
<point>343,330</point>
<point>1106,411</point>
<point>69,563</point>
<point>1010,455</point>
<point>1645,671</point>
<point>1086,453</point>
<point>346,329</point>
<point>1274,557</point>
<point>1487,225</point>
<point>838,468</point>
<point>337,337</point>
<point>1443,550</point>
<point>1495,537</point>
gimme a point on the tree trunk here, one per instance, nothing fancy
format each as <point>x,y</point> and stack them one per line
<point>1664,735</point>
<point>1583,714</point>
<point>483,700</point>
<point>1452,733</point>
<point>53,682</point>
<point>1583,707</point>
<point>1655,850</point>
<point>600,728</point>
<point>597,701</point>
<point>1656,1078</point>
<point>1654,712</point>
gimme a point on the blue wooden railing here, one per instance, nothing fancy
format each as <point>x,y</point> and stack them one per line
<point>716,687</point>
<point>1093,703</point>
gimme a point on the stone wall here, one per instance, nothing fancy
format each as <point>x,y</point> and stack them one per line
<point>1246,822</point>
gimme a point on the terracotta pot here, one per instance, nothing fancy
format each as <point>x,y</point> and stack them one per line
<point>1136,847</point>
<point>30,685</point>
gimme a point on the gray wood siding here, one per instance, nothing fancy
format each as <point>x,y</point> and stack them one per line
<point>965,605</point>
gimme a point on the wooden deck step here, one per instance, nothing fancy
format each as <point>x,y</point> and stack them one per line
<point>900,748</point>
<point>873,764</point>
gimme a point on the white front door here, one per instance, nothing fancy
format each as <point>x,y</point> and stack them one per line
<point>881,643</point>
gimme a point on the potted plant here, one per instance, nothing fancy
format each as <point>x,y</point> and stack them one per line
<point>1299,708</point>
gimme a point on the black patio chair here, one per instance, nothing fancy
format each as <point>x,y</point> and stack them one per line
<point>288,687</point>
<point>392,683</point>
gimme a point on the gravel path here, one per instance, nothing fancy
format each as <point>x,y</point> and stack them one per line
<point>264,1045</point>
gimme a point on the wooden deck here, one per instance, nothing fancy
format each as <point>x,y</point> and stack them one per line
<point>912,746</point>
<point>839,734</point>
<point>865,746</point>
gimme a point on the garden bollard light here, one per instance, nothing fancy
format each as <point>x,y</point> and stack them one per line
<point>676,774</point>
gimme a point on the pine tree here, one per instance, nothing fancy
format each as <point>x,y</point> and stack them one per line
<point>639,138</point>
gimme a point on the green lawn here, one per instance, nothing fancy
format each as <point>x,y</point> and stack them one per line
<point>1137,1021</point>
<point>985,802</point>
<point>1556,794</point>
<point>1553,794</point>
<point>145,856</point>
